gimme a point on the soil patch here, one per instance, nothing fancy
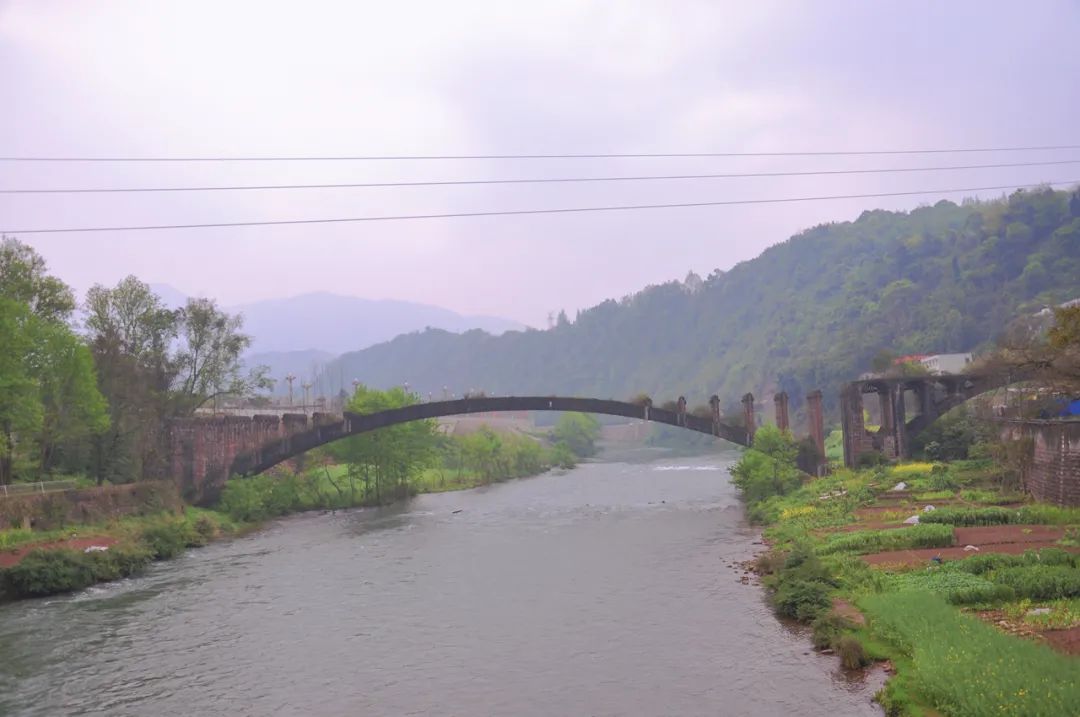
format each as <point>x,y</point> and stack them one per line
<point>845,609</point>
<point>9,558</point>
<point>1067,641</point>
<point>996,534</point>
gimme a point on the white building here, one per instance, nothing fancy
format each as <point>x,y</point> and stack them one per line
<point>946,363</point>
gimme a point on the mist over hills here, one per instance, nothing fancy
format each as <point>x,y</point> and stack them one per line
<point>326,323</point>
<point>808,313</point>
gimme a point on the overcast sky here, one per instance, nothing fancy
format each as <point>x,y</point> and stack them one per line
<point>503,77</point>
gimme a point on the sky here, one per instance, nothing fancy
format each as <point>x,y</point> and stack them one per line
<point>479,77</point>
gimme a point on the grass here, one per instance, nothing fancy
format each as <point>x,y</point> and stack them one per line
<point>962,666</point>
<point>996,515</point>
<point>874,541</point>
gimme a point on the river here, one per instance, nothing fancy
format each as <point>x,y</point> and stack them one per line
<point>606,590</point>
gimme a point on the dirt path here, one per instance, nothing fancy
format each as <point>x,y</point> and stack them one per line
<point>8,558</point>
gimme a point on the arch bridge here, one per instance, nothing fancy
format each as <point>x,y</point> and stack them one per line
<point>205,452</point>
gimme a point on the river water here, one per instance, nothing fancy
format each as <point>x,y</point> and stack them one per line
<point>602,591</point>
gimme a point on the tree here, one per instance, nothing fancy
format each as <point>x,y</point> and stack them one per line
<point>578,432</point>
<point>385,459</point>
<point>20,404</point>
<point>768,467</point>
<point>130,331</point>
<point>23,279</point>
<point>208,364</point>
<point>73,407</point>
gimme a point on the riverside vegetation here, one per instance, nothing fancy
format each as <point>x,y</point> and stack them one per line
<point>359,471</point>
<point>921,614</point>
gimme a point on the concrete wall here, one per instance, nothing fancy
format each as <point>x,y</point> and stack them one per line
<point>46,511</point>
<point>1053,474</point>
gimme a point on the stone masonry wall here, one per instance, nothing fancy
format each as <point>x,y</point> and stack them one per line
<point>1053,474</point>
<point>46,511</point>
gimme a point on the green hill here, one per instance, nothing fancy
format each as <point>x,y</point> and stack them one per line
<point>807,313</point>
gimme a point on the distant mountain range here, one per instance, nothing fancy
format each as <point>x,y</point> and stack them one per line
<point>299,333</point>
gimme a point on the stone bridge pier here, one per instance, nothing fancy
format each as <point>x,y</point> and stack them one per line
<point>203,448</point>
<point>930,397</point>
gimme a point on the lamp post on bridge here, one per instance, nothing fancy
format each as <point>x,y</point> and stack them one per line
<point>290,378</point>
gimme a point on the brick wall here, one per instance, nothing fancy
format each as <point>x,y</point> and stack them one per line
<point>1053,474</point>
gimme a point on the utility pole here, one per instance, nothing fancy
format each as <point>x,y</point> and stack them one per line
<point>306,387</point>
<point>290,378</point>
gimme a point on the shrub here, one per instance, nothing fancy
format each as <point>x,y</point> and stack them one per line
<point>803,600</point>
<point>828,629</point>
<point>852,654</point>
<point>166,540</point>
<point>46,572</point>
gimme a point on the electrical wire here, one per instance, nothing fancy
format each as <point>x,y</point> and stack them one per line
<point>542,180</point>
<point>521,212</point>
<point>641,155</point>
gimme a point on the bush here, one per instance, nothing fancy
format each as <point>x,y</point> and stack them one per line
<point>852,654</point>
<point>803,600</point>
<point>46,572</point>
<point>828,629</point>
<point>166,540</point>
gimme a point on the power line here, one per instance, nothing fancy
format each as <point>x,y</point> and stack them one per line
<point>642,155</point>
<point>552,180</point>
<point>519,212</point>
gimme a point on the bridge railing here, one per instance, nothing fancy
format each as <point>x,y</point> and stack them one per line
<point>49,486</point>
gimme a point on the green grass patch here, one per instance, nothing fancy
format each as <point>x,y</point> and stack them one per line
<point>1040,582</point>
<point>1037,514</point>
<point>874,541</point>
<point>958,588</point>
<point>964,667</point>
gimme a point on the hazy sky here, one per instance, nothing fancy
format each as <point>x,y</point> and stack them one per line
<point>476,77</point>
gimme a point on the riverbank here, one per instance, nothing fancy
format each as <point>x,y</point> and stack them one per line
<point>970,592</point>
<point>41,563</point>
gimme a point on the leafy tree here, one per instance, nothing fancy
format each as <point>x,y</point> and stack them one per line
<point>23,279</point>
<point>578,432</point>
<point>208,364</point>
<point>20,404</point>
<point>768,468</point>
<point>130,332</point>
<point>385,459</point>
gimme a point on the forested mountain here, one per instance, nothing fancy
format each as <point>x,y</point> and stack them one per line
<point>810,312</point>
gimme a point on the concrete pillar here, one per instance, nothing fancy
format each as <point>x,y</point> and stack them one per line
<point>748,417</point>
<point>851,422</point>
<point>714,404</point>
<point>681,410</point>
<point>816,416</point>
<point>781,401</point>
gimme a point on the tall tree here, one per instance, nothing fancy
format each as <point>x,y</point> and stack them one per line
<point>20,404</point>
<point>208,364</point>
<point>23,278</point>
<point>130,332</point>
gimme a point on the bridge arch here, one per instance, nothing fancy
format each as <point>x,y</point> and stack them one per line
<point>935,395</point>
<point>273,452</point>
